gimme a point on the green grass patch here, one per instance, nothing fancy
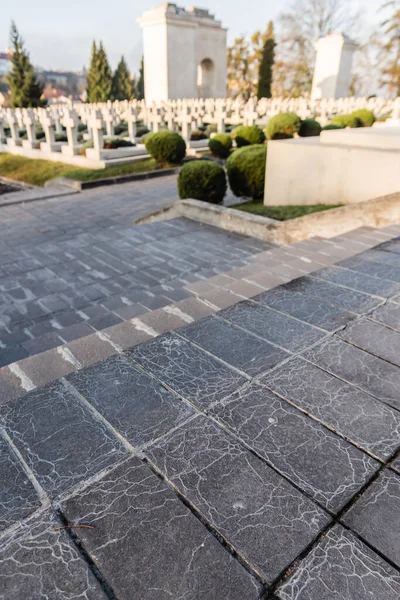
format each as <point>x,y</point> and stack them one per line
<point>37,172</point>
<point>283,213</point>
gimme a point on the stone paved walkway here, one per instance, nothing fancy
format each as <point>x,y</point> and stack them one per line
<point>253,454</point>
<point>70,267</point>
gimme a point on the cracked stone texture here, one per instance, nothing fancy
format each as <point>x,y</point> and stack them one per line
<point>358,281</point>
<point>370,373</point>
<point>235,346</point>
<point>189,371</point>
<point>149,545</point>
<point>342,568</point>
<point>396,464</point>
<point>18,497</point>
<point>305,308</point>
<point>134,403</point>
<point>376,516</point>
<point>59,438</point>
<point>389,315</point>
<point>321,463</point>
<point>374,338</point>
<point>358,416</point>
<point>337,295</point>
<point>267,521</point>
<point>282,330</point>
<point>42,564</point>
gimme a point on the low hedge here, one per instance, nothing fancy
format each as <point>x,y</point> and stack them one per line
<point>283,126</point>
<point>220,145</point>
<point>310,128</point>
<point>113,143</point>
<point>332,126</point>
<point>166,147</point>
<point>246,171</point>
<point>202,180</point>
<point>248,135</point>
<point>346,121</point>
<point>197,136</point>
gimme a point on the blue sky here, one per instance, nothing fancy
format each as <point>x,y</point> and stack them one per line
<point>59,34</point>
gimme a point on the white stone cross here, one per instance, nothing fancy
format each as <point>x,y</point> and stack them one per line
<point>48,126</point>
<point>131,118</point>
<point>15,140</point>
<point>109,117</point>
<point>96,125</point>
<point>70,122</point>
<point>30,125</point>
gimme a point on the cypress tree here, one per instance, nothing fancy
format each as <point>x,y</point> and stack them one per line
<point>122,82</point>
<point>267,64</point>
<point>26,90</point>
<point>140,83</point>
<point>99,76</point>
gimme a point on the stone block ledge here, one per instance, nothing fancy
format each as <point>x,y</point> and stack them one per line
<point>87,185</point>
<point>378,212</point>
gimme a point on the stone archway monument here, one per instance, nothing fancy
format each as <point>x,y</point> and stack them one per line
<point>184,54</point>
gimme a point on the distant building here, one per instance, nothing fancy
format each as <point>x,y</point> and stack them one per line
<point>5,63</point>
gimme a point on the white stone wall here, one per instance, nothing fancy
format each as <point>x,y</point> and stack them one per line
<point>333,66</point>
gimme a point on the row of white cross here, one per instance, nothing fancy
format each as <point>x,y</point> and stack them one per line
<point>185,116</point>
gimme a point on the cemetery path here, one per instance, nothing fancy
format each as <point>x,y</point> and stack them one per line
<point>75,265</point>
<point>252,454</point>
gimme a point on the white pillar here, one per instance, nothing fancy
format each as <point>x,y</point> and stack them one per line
<point>333,66</point>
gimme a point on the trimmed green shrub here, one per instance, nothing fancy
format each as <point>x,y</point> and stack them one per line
<point>364,115</point>
<point>346,121</point>
<point>61,137</point>
<point>121,128</point>
<point>283,126</point>
<point>202,180</point>
<point>246,171</point>
<point>82,127</point>
<point>211,128</point>
<point>141,131</point>
<point>310,128</point>
<point>247,135</point>
<point>197,136</point>
<point>220,145</point>
<point>166,147</point>
<point>332,126</point>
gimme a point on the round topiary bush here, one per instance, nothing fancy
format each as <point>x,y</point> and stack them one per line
<point>246,171</point>
<point>247,135</point>
<point>211,128</point>
<point>220,145</point>
<point>202,180</point>
<point>283,126</point>
<point>166,147</point>
<point>366,117</point>
<point>310,128</point>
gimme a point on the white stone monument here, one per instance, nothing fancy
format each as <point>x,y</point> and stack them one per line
<point>184,54</point>
<point>333,65</point>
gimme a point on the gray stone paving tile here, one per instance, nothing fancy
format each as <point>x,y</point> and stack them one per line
<point>384,258</point>
<point>42,343</point>
<point>359,281</point>
<point>235,346</point>
<point>167,552</point>
<point>39,561</point>
<point>195,308</point>
<point>321,463</point>
<point>162,321</point>
<point>221,298</point>
<point>267,520</point>
<point>18,497</point>
<point>341,567</point>
<point>274,327</point>
<point>374,338</point>
<point>74,332</point>
<point>90,350</point>
<point>46,367</point>
<point>388,314</point>
<point>13,354</point>
<point>59,438</point>
<point>305,308</point>
<point>189,371</point>
<point>346,299</point>
<point>368,372</point>
<point>135,404</point>
<point>361,418</point>
<point>376,516</point>
<point>391,246</point>
<point>369,267</point>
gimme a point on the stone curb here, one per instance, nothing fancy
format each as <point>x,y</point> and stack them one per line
<point>378,212</point>
<point>34,194</point>
<point>88,185</point>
